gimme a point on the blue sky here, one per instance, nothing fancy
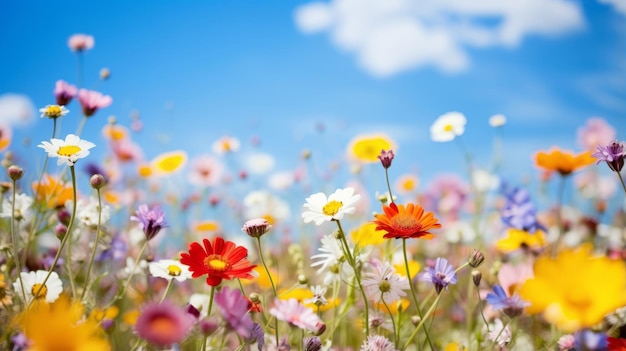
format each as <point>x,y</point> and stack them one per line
<point>197,70</point>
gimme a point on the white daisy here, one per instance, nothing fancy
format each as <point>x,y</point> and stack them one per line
<point>322,209</point>
<point>22,207</point>
<point>331,255</point>
<point>448,126</point>
<point>383,283</point>
<point>497,120</point>
<point>33,287</point>
<point>69,150</point>
<point>87,212</point>
<point>53,111</point>
<point>169,269</point>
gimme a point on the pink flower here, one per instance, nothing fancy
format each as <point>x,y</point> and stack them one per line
<point>446,196</point>
<point>296,314</point>
<point>163,324</point>
<point>81,42</point>
<point>512,277</point>
<point>594,133</point>
<point>64,92</point>
<point>206,171</point>
<point>91,101</point>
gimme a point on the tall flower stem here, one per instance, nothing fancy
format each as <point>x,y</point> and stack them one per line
<point>559,216</point>
<point>16,257</point>
<point>65,237</point>
<point>95,245</point>
<point>388,185</point>
<point>413,293</point>
<point>621,179</point>
<point>396,331</point>
<point>167,290</point>
<point>269,275</point>
<point>122,292</point>
<point>211,301</point>
<point>357,275</point>
<point>421,323</point>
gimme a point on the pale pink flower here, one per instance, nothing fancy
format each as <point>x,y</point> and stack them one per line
<point>206,171</point>
<point>446,196</point>
<point>566,342</point>
<point>64,92</point>
<point>594,133</point>
<point>512,277</point>
<point>81,42</point>
<point>127,151</point>
<point>383,283</point>
<point>91,101</point>
<point>296,314</point>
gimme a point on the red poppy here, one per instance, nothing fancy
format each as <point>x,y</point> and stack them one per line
<point>219,260</point>
<point>615,344</point>
<point>403,223</point>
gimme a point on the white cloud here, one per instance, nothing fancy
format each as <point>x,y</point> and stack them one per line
<point>16,109</point>
<point>393,36</point>
<point>619,5</point>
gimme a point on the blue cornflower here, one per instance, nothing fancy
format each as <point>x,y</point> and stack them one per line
<point>588,340</point>
<point>441,275</point>
<point>519,212</point>
<point>512,306</point>
<point>151,221</point>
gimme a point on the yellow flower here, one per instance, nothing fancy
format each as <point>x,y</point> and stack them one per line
<point>517,239</point>
<point>205,226</point>
<point>454,346</point>
<point>394,307</point>
<point>367,234</point>
<point>575,290</point>
<point>406,184</point>
<point>168,162</point>
<point>299,294</point>
<point>114,132</point>
<point>99,314</point>
<point>414,268</point>
<point>262,278</point>
<point>60,326</point>
<point>366,148</point>
<point>5,298</point>
<point>131,316</point>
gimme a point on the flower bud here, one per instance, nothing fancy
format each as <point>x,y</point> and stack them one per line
<point>312,344</point>
<point>255,298</point>
<point>477,276</point>
<point>303,279</point>
<point>256,227</point>
<point>208,326</point>
<point>105,73</point>
<point>97,181</point>
<point>15,172</point>
<point>386,157</point>
<point>476,258</point>
<point>415,320</point>
<point>60,230</point>
<point>320,328</point>
<point>64,216</point>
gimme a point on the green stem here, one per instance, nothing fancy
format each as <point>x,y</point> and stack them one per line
<point>65,237</point>
<point>388,185</point>
<point>481,310</point>
<point>95,246</point>
<point>619,175</point>
<point>421,323</point>
<point>396,332</point>
<point>258,240</point>
<point>211,301</point>
<point>559,218</point>
<point>167,289</point>
<point>413,293</point>
<point>16,257</point>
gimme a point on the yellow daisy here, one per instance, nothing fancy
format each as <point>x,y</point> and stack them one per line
<point>367,148</point>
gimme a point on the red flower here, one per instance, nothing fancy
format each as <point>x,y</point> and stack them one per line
<point>403,223</point>
<point>615,344</point>
<point>220,260</point>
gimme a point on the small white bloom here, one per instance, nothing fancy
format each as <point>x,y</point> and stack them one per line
<point>259,162</point>
<point>484,181</point>
<point>226,145</point>
<point>331,255</point>
<point>87,212</point>
<point>68,151</point>
<point>23,204</point>
<point>131,269</point>
<point>499,334</point>
<point>281,180</point>
<point>318,295</point>
<point>169,269</point>
<point>448,126</point>
<point>322,209</point>
<point>263,204</point>
<point>53,111</point>
<point>34,287</point>
<point>497,120</point>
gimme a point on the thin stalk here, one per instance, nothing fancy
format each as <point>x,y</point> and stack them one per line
<point>95,246</point>
<point>388,185</point>
<point>167,290</point>
<point>421,323</point>
<point>16,258</point>
<point>559,218</point>
<point>121,293</point>
<point>211,301</point>
<point>619,175</point>
<point>396,332</point>
<point>258,240</point>
<point>413,293</point>
<point>481,310</point>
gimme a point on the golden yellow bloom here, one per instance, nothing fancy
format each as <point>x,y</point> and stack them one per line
<point>263,279</point>
<point>366,148</point>
<point>406,184</point>
<point>130,317</point>
<point>114,132</point>
<point>367,234</point>
<point>168,162</point>
<point>453,346</point>
<point>60,326</point>
<point>52,191</point>
<point>99,314</point>
<point>517,239</point>
<point>205,226</point>
<point>575,290</point>
<point>414,268</point>
<point>563,161</point>
<point>394,307</point>
<point>5,298</point>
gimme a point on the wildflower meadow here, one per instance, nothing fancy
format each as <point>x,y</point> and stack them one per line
<point>108,245</point>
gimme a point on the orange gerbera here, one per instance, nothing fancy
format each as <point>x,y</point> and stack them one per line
<point>218,259</point>
<point>53,192</point>
<point>563,161</point>
<point>406,222</point>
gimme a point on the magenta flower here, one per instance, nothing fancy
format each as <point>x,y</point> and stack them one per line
<point>386,157</point>
<point>151,221</point>
<point>441,275</point>
<point>81,42</point>
<point>91,101</point>
<point>296,314</point>
<point>613,154</point>
<point>163,324</point>
<point>234,307</point>
<point>64,92</point>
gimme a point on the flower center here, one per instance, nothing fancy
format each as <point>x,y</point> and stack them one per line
<point>448,128</point>
<point>216,263</point>
<point>162,325</point>
<point>68,150</point>
<point>440,276</point>
<point>332,207</point>
<point>405,221</point>
<point>54,111</point>
<point>39,291</point>
<point>173,270</point>
<point>384,286</point>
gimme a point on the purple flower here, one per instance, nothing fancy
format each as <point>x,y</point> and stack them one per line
<point>519,212</point>
<point>151,221</point>
<point>613,154</point>
<point>296,314</point>
<point>233,306</point>
<point>64,92</point>
<point>163,324</point>
<point>441,275</point>
<point>588,340</point>
<point>511,306</point>
<point>257,334</point>
<point>386,157</point>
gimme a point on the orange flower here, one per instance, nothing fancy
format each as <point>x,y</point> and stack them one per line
<point>563,161</point>
<point>403,223</point>
<point>53,192</point>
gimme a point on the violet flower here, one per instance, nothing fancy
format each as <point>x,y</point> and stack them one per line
<point>519,212</point>
<point>64,92</point>
<point>613,154</point>
<point>233,306</point>
<point>91,101</point>
<point>441,275</point>
<point>512,306</point>
<point>151,221</point>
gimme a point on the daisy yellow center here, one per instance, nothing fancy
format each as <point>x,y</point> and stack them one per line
<point>173,270</point>
<point>54,111</point>
<point>216,263</point>
<point>39,291</point>
<point>68,150</point>
<point>384,286</point>
<point>405,222</point>
<point>332,207</point>
<point>448,128</point>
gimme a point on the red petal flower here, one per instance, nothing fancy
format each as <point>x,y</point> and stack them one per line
<point>218,259</point>
<point>615,344</point>
<point>406,222</point>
